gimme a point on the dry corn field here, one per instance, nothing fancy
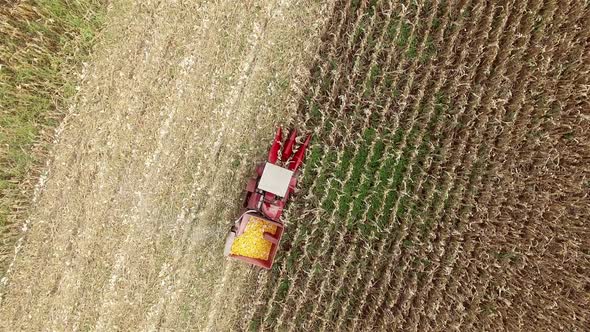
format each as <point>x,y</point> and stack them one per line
<point>446,186</point>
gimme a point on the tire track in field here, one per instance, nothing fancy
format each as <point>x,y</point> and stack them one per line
<point>227,109</point>
<point>69,248</point>
<point>193,274</point>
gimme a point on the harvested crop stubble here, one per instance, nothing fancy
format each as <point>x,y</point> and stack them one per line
<point>448,183</point>
<point>150,164</point>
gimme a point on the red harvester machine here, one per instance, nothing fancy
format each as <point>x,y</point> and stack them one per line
<point>255,236</point>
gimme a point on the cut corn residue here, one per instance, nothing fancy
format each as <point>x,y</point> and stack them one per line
<point>252,243</point>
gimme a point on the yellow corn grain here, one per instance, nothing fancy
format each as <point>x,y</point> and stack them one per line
<point>251,243</point>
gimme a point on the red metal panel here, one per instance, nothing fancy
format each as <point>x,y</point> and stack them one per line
<point>288,146</point>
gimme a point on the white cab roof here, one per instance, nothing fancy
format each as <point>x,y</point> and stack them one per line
<point>275,179</point>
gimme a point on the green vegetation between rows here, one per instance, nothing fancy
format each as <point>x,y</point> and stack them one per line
<point>42,44</point>
<point>358,186</point>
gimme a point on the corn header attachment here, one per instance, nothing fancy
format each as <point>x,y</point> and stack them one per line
<point>255,236</point>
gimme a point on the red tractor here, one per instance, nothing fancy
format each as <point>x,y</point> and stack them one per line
<point>255,236</point>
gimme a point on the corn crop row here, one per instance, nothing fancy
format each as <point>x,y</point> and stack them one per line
<point>417,109</point>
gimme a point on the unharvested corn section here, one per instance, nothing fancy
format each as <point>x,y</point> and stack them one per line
<point>425,202</point>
